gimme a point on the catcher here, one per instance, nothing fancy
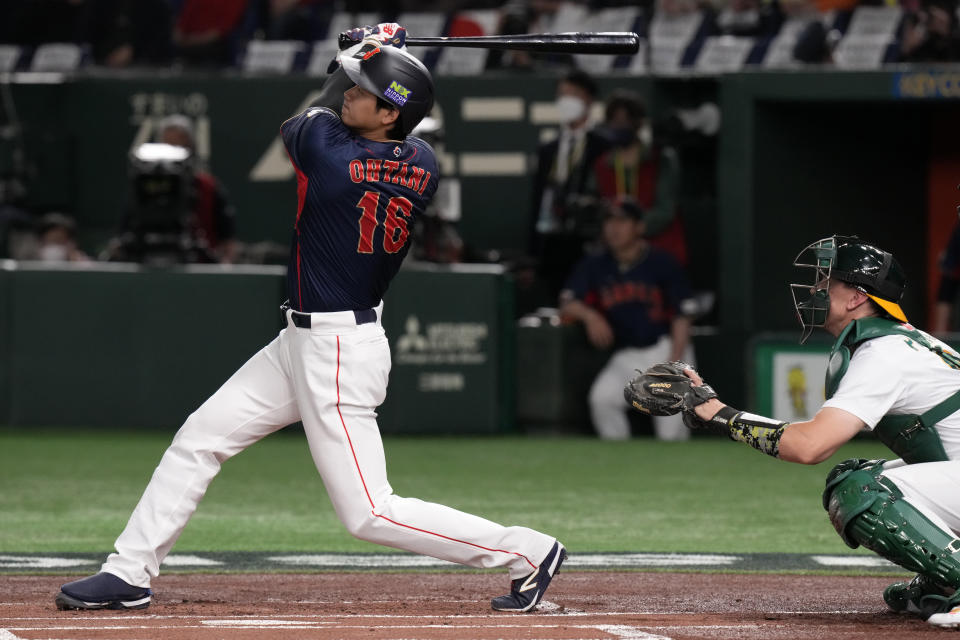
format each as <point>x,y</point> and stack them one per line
<point>884,375</point>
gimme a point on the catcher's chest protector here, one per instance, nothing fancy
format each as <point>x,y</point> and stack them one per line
<point>912,437</point>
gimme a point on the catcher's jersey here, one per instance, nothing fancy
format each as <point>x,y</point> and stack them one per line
<point>356,204</point>
<point>893,375</point>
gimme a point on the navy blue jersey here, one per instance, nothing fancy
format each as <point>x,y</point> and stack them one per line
<point>356,204</point>
<point>638,302</point>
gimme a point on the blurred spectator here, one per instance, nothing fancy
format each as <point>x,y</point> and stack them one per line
<point>208,32</point>
<point>815,41</point>
<point>949,287</point>
<point>931,33</point>
<point>305,20</point>
<point>213,221</point>
<point>119,32</point>
<point>640,168</point>
<point>130,32</point>
<point>630,299</point>
<point>58,240</point>
<point>564,211</point>
<point>35,22</point>
<point>526,16</point>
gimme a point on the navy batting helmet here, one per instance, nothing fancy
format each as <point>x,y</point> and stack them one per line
<point>397,77</point>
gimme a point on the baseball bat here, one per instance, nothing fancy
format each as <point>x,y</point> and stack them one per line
<point>608,42</point>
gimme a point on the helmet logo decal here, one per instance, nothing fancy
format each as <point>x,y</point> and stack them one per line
<point>397,93</point>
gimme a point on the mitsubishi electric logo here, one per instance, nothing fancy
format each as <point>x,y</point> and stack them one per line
<point>442,343</point>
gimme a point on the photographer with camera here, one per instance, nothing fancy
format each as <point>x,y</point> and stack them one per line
<point>565,215</point>
<point>177,212</point>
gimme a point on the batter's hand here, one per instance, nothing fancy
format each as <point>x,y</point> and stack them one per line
<point>666,389</point>
<point>383,34</point>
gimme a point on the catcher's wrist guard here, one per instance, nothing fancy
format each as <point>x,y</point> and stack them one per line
<point>763,434</point>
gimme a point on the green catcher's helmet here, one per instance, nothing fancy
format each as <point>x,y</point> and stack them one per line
<point>870,269</point>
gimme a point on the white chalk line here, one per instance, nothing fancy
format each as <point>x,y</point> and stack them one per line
<point>483,616</point>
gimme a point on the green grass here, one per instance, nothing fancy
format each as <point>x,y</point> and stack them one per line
<point>73,491</point>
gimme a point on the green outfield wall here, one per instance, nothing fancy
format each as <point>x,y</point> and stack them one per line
<point>121,345</point>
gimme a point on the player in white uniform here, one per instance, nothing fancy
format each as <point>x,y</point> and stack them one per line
<point>361,181</point>
<point>889,377</point>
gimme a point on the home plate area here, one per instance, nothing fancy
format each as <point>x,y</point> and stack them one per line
<point>580,605</point>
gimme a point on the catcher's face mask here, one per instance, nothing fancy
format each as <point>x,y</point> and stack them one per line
<point>812,299</point>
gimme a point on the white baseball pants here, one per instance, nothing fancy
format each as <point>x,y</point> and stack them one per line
<point>931,487</point>
<point>332,376</point>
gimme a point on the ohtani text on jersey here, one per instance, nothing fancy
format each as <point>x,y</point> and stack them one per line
<point>378,170</point>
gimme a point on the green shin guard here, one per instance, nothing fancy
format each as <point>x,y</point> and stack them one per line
<point>867,509</point>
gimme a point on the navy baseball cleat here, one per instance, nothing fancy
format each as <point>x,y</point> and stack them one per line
<point>526,592</point>
<point>102,591</point>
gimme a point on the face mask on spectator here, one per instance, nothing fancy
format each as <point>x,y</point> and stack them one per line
<point>622,136</point>
<point>570,108</point>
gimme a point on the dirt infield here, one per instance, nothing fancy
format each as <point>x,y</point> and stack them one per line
<point>579,605</point>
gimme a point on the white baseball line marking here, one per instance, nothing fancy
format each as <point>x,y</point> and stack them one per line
<point>628,633</point>
<point>620,631</point>
<point>455,616</point>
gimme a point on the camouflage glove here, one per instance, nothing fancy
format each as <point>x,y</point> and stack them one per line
<point>664,390</point>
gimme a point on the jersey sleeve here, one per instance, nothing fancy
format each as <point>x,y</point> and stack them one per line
<point>870,387</point>
<point>306,135</point>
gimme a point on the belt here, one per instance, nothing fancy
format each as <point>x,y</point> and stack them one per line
<point>302,320</point>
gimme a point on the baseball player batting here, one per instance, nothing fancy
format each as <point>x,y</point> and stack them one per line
<point>361,183</point>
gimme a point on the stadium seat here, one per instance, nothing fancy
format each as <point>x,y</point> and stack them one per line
<point>871,38</point>
<point>610,19</point>
<point>456,61</point>
<point>323,52</point>
<point>61,57</point>
<point>724,54</point>
<point>273,56</point>
<point>670,37</point>
<point>424,24</point>
<point>344,21</point>
<point>780,52</point>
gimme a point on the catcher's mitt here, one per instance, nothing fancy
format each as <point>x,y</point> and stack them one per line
<point>664,390</point>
